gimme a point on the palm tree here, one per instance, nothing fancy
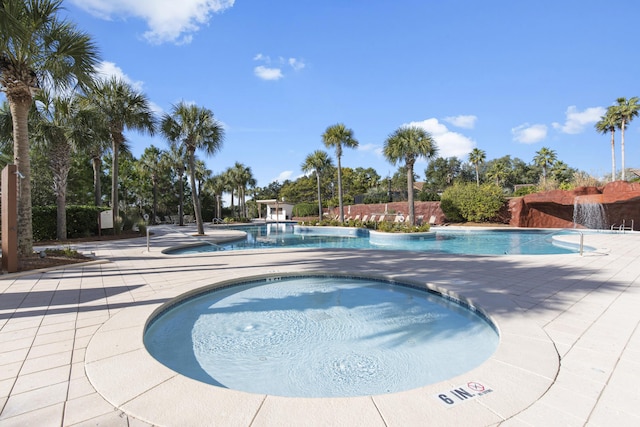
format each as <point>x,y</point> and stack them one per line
<point>407,144</point>
<point>241,177</point>
<point>37,48</point>
<point>544,158</point>
<point>476,157</point>
<point>202,174</point>
<point>626,110</point>
<point>317,162</point>
<point>193,128</point>
<point>174,160</point>
<point>58,128</point>
<point>216,185</point>
<point>608,123</point>
<point>499,171</point>
<point>230,185</point>
<point>122,108</point>
<point>337,136</point>
<point>150,161</point>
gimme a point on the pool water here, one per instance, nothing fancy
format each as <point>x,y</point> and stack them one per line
<point>319,336</point>
<point>469,242</point>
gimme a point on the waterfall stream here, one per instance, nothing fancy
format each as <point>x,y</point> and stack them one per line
<point>589,214</point>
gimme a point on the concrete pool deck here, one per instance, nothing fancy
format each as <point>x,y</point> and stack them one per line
<point>71,349</point>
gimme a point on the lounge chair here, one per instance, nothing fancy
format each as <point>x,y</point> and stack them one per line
<point>373,218</point>
<point>399,218</point>
<point>364,218</point>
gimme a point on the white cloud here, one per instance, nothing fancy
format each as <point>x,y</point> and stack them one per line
<point>529,134</point>
<point>284,175</point>
<point>266,73</point>
<point>576,120</point>
<point>168,20</point>
<point>296,64</point>
<point>449,143</point>
<point>108,69</point>
<point>465,122</point>
<point>275,72</point>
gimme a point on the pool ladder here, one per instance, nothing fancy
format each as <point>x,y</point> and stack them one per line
<point>623,226</point>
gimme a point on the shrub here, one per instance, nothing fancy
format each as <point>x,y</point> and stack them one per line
<point>428,196</point>
<point>305,209</point>
<point>82,221</point>
<point>524,190</point>
<point>402,227</point>
<point>376,195</point>
<point>469,202</point>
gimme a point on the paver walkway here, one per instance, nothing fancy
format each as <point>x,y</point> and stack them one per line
<point>588,307</point>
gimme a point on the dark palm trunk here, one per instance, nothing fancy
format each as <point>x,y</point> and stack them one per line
<point>96,163</point>
<point>319,197</point>
<point>410,192</point>
<point>196,200</point>
<point>181,195</point>
<point>340,190</point>
<point>60,164</point>
<point>19,105</point>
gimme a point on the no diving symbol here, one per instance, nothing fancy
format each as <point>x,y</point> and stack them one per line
<point>475,386</point>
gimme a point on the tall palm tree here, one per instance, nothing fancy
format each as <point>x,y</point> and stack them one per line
<point>216,185</point>
<point>608,123</point>
<point>544,158</point>
<point>58,129</point>
<point>174,159</point>
<point>477,156</point>
<point>150,161</point>
<point>499,171</point>
<point>122,108</point>
<point>242,178</point>
<point>37,48</point>
<point>230,185</point>
<point>626,110</point>
<point>317,162</point>
<point>338,136</point>
<point>202,174</point>
<point>408,143</point>
<point>193,128</point>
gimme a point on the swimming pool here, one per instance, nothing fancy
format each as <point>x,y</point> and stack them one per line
<point>441,240</point>
<point>321,336</point>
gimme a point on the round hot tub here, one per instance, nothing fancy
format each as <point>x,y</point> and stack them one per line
<point>320,336</point>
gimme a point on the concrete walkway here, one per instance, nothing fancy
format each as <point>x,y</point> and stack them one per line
<point>71,350</point>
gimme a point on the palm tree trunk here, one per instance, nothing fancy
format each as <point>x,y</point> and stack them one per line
<point>19,106</point>
<point>154,181</point>
<point>181,202</point>
<point>340,190</point>
<point>622,176</point>
<point>319,197</point>
<point>410,192</point>
<point>60,164</point>
<point>114,185</point>
<point>477,176</point>
<point>613,155</point>
<point>96,163</point>
<point>196,201</point>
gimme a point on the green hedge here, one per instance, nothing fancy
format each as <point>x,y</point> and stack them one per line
<point>82,221</point>
<point>469,202</point>
<point>305,209</point>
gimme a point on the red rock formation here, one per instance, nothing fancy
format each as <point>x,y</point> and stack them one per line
<point>554,209</point>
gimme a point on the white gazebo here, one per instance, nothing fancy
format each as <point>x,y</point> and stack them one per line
<point>276,210</point>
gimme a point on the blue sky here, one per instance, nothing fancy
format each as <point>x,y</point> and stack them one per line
<point>508,77</point>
